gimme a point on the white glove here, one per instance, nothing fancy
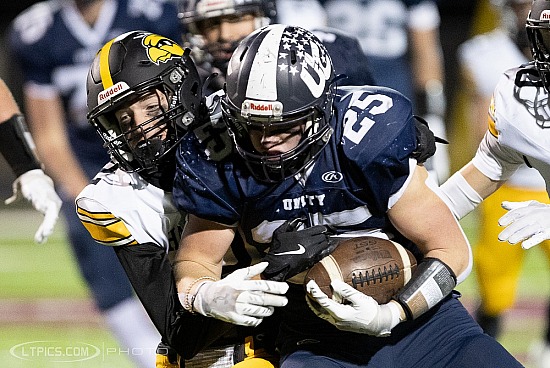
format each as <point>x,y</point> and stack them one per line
<point>363,315</point>
<point>238,299</point>
<point>527,222</point>
<point>37,188</point>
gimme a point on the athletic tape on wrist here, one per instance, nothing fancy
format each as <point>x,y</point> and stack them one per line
<point>432,281</point>
<point>17,145</point>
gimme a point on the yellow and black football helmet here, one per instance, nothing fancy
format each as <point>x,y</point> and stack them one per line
<point>128,67</point>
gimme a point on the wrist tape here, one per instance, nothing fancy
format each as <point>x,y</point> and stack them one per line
<point>17,145</point>
<point>432,281</point>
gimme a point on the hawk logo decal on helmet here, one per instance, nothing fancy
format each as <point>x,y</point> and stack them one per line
<point>161,49</point>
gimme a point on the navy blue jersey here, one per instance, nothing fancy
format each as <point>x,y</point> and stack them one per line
<point>382,28</point>
<point>55,47</point>
<point>350,187</point>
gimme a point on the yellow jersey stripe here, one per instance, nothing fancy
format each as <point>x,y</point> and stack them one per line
<point>115,234</point>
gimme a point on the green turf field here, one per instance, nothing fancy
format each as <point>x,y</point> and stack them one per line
<point>47,319</point>
<point>46,316</point>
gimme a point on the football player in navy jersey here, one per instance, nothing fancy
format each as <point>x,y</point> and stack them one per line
<point>341,157</point>
<point>54,42</point>
<point>17,147</point>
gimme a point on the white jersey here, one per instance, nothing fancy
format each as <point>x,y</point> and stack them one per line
<point>121,208</point>
<point>479,56</point>
<point>519,127</point>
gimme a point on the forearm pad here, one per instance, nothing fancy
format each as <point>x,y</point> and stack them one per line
<point>432,281</point>
<point>17,145</point>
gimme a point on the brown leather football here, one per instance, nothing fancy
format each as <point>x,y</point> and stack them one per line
<point>375,266</point>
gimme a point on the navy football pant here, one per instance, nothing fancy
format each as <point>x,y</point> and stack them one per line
<point>450,338</point>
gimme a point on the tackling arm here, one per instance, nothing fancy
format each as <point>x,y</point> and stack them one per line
<point>240,298</point>
<point>150,273</point>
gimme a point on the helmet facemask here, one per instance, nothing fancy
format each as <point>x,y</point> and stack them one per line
<point>315,133</point>
<point>539,38</point>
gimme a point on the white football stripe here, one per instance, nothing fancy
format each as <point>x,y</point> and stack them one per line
<point>262,83</point>
<point>332,268</point>
<point>407,273</point>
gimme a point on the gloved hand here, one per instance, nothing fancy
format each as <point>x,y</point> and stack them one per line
<point>36,187</point>
<point>527,222</point>
<point>238,299</point>
<point>425,140</point>
<point>293,251</point>
<point>363,315</point>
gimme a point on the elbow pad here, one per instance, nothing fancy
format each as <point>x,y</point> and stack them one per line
<point>432,281</point>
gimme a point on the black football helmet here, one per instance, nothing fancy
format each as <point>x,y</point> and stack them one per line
<point>128,67</point>
<point>279,77</point>
<point>538,32</point>
<point>196,15</point>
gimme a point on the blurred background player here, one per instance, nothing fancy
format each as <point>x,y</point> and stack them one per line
<point>213,30</point>
<point>401,41</point>
<point>17,147</point>
<point>54,42</point>
<point>483,59</point>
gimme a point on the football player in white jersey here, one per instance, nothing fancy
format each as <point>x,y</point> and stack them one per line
<point>17,147</point>
<point>482,68</point>
<point>144,94</point>
<point>519,119</point>
<point>518,134</point>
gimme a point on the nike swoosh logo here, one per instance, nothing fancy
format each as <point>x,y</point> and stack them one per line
<point>300,250</point>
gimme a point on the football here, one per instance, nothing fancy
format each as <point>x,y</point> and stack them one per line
<point>377,267</point>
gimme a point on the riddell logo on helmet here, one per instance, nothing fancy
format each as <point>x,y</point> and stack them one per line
<point>545,15</point>
<point>250,107</point>
<point>111,92</point>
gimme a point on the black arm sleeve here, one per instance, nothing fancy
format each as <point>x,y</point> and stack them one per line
<point>17,145</point>
<point>150,273</point>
